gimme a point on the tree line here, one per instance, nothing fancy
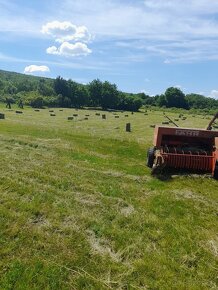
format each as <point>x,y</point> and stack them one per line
<point>39,92</point>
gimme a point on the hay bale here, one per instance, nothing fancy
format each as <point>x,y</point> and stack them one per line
<point>176,120</point>
<point>103,116</point>
<point>165,123</point>
<point>87,115</point>
<point>70,118</point>
<point>18,112</point>
<point>126,115</point>
<point>86,118</point>
<point>52,115</point>
<point>75,115</point>
<point>145,114</point>
<point>2,116</point>
<point>117,117</point>
<point>51,111</point>
<point>61,110</point>
<point>97,114</point>
<point>37,110</point>
<point>152,126</point>
<point>180,115</point>
<point>128,127</point>
<point>132,113</point>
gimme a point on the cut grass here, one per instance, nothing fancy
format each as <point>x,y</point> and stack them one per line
<point>79,209</point>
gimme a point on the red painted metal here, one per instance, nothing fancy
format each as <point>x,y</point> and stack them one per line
<point>186,148</point>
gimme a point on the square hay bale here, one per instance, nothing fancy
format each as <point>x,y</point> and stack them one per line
<point>75,115</point>
<point>128,127</point>
<point>126,115</point>
<point>37,110</point>
<point>87,115</point>
<point>86,118</point>
<point>176,120</point>
<point>2,116</point>
<point>104,116</point>
<point>117,117</point>
<point>61,110</point>
<point>18,112</point>
<point>152,126</point>
<point>97,114</point>
<point>52,115</point>
<point>51,111</point>
<point>165,123</point>
<point>70,118</point>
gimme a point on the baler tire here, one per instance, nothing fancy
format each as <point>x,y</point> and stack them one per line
<point>215,174</point>
<point>150,157</point>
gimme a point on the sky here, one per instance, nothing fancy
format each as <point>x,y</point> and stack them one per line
<point>140,45</point>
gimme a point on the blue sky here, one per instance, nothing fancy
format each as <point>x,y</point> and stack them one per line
<point>141,45</point>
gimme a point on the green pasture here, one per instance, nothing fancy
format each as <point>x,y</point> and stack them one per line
<point>79,209</point>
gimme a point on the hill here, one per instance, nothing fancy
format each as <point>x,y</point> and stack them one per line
<point>44,92</point>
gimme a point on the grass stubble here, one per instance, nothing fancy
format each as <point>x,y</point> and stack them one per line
<point>79,209</point>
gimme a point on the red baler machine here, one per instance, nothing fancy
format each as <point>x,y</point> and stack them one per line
<point>184,148</point>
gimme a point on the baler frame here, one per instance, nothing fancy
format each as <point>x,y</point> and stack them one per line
<point>185,148</point>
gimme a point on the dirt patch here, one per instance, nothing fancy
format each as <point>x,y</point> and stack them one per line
<point>86,199</point>
<point>213,246</point>
<point>39,220</point>
<point>127,210</point>
<point>102,246</point>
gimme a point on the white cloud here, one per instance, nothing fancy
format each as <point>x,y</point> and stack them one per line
<point>167,26</point>
<point>178,87</point>
<point>214,94</point>
<point>191,6</point>
<point>68,49</point>
<point>66,31</point>
<point>145,92</point>
<point>177,30</point>
<point>36,68</point>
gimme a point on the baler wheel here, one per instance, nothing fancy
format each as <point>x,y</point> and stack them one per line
<point>215,174</point>
<point>150,157</point>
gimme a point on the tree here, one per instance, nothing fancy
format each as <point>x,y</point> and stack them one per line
<point>175,98</point>
<point>81,96</point>
<point>160,100</point>
<point>129,102</point>
<point>110,97</point>
<point>61,87</point>
<point>44,89</point>
<point>95,92</point>
<point>37,102</point>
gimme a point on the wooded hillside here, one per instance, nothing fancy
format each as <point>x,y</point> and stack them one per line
<point>40,91</point>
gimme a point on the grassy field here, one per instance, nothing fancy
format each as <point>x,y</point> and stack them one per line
<point>79,209</point>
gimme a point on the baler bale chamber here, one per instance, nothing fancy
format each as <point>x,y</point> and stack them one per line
<point>184,148</point>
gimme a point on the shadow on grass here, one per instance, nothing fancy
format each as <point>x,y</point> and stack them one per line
<point>167,174</point>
